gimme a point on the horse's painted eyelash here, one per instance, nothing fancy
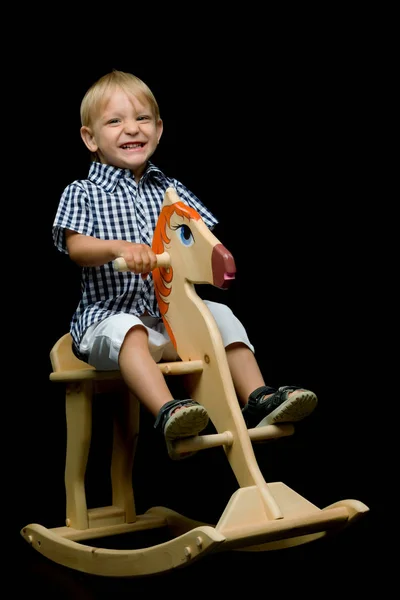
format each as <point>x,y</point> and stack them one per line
<point>185,234</point>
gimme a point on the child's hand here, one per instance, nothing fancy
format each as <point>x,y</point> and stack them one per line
<point>139,258</point>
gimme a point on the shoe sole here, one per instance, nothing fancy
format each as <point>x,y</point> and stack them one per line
<point>185,422</point>
<point>296,408</point>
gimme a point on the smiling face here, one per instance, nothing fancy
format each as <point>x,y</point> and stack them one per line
<point>124,132</point>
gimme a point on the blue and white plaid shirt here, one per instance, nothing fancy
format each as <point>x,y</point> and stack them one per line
<point>111,205</point>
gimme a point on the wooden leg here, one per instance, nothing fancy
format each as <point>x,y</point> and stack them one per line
<point>126,431</point>
<point>79,432</point>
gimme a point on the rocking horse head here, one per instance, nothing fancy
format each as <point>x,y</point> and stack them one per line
<point>195,255</point>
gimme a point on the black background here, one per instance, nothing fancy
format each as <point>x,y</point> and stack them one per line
<point>277,135</point>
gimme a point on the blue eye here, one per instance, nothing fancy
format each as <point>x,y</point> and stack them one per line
<point>185,235</point>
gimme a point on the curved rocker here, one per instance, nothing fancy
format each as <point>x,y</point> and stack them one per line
<point>259,516</point>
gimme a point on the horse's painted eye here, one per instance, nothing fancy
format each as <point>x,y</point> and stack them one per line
<point>185,235</point>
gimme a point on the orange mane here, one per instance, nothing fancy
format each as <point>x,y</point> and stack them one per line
<point>163,276</point>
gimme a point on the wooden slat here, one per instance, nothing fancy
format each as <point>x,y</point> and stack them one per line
<point>90,373</point>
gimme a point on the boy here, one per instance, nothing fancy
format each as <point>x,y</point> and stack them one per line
<point>113,213</point>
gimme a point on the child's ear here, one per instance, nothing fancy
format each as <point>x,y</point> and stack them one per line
<point>88,139</point>
<point>160,127</point>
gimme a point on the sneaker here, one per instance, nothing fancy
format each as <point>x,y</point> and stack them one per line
<point>174,424</point>
<point>278,408</point>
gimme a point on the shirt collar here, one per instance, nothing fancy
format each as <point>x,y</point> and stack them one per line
<point>107,176</point>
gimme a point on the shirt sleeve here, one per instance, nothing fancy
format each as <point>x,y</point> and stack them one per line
<point>74,213</point>
<point>209,219</point>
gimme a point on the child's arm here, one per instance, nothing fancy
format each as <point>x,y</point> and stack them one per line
<point>89,251</point>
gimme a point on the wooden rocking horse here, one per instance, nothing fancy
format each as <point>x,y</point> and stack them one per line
<point>259,516</point>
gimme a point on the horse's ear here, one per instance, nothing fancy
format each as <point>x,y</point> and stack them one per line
<point>170,196</point>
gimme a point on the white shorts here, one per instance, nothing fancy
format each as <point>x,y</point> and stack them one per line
<point>102,341</point>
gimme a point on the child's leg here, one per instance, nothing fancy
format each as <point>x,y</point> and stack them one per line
<point>263,405</point>
<point>141,373</point>
<point>131,344</point>
<point>245,372</point>
<point>175,419</point>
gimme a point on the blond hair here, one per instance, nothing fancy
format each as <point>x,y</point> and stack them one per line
<point>102,89</point>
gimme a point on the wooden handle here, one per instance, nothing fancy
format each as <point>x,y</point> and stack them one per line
<point>163,260</point>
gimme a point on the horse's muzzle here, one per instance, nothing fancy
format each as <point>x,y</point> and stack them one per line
<point>223,266</point>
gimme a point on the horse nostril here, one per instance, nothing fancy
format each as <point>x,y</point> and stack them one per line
<point>223,266</point>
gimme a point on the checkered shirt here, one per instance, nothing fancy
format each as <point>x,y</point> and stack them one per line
<point>111,205</point>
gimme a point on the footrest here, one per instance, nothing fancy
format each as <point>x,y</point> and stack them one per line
<point>201,442</point>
